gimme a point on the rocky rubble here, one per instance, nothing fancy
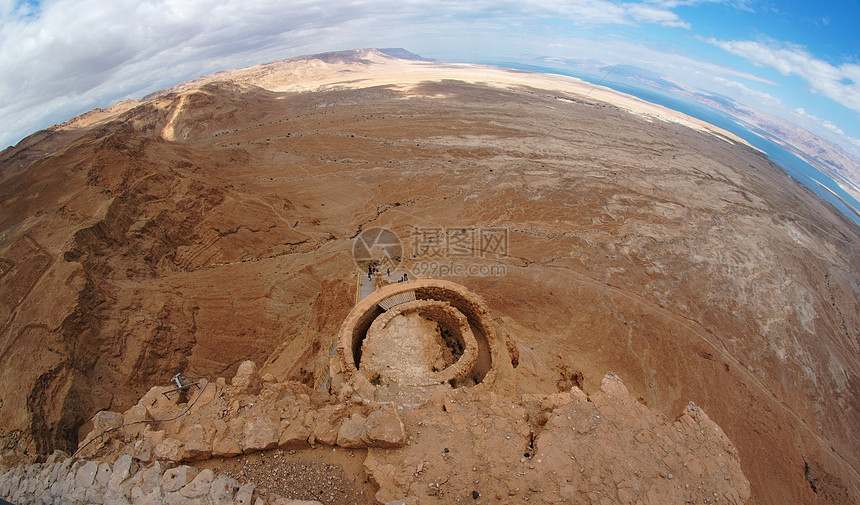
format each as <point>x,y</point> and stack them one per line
<point>251,414</point>
<point>460,445</point>
<point>65,480</point>
<point>565,447</point>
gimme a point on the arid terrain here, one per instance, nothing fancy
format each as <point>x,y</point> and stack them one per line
<point>214,222</point>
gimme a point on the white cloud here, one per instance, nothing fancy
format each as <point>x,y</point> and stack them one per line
<point>651,14</point>
<point>59,58</point>
<point>75,55</point>
<point>678,67</point>
<point>578,12</point>
<point>760,97</point>
<point>823,122</point>
<point>743,5</point>
<point>839,83</point>
<point>586,12</point>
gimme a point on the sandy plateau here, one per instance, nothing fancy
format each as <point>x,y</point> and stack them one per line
<point>214,222</point>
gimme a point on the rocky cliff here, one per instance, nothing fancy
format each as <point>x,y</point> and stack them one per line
<point>457,446</point>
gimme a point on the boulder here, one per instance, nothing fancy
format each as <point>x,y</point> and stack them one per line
<point>105,420</point>
<point>226,447</point>
<point>295,434</point>
<point>86,474</point>
<point>154,497</point>
<point>103,474</point>
<point>150,478</point>
<point>175,479</point>
<point>104,427</point>
<point>222,489</point>
<point>122,470</point>
<point>133,419</point>
<point>143,450</point>
<point>59,488</point>
<point>384,428</point>
<point>247,379</point>
<point>261,433</point>
<point>244,495</point>
<point>327,423</point>
<point>170,449</point>
<point>124,489</point>
<point>157,405</point>
<point>60,469</point>
<point>196,445</point>
<point>57,456</point>
<point>95,495</point>
<point>199,487</point>
<point>351,434</point>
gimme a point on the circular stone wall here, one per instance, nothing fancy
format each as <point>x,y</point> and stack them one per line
<point>447,304</point>
<point>420,343</point>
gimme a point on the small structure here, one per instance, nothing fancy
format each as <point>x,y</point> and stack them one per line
<point>419,334</point>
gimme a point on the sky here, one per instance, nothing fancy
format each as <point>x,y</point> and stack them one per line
<point>798,60</point>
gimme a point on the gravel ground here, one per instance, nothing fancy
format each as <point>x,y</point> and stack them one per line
<point>330,477</point>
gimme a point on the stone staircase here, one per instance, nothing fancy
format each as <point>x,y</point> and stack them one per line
<point>391,301</point>
<point>366,286</point>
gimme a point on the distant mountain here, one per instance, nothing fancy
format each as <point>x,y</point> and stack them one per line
<point>821,153</point>
<point>257,73</point>
<point>647,77</point>
<point>824,155</point>
<point>403,54</point>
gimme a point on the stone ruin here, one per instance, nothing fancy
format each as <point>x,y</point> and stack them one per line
<point>426,393</point>
<point>408,339</point>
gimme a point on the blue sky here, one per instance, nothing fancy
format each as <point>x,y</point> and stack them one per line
<point>799,61</point>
